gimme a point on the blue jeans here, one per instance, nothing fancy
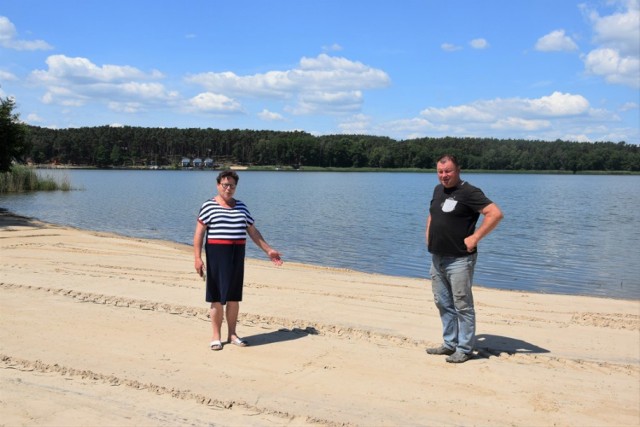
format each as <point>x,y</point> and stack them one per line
<point>451,279</point>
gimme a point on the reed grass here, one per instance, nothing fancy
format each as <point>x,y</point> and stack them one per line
<point>22,179</point>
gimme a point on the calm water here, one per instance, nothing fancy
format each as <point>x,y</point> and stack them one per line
<point>561,233</point>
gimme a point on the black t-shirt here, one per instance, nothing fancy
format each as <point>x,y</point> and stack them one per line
<point>454,214</point>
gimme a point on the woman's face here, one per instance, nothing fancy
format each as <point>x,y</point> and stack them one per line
<point>227,187</point>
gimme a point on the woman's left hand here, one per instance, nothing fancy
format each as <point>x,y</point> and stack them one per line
<point>275,257</point>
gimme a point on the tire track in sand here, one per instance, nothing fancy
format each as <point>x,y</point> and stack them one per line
<point>202,313</point>
<point>8,362</point>
<point>326,330</point>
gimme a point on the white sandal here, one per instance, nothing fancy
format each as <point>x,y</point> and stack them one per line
<point>239,342</point>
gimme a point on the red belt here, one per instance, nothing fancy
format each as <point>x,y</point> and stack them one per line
<point>226,242</point>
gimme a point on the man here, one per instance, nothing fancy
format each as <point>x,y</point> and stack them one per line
<point>452,239</point>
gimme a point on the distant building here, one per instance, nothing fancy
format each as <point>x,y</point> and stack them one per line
<point>197,162</point>
<point>186,162</point>
<point>208,162</point>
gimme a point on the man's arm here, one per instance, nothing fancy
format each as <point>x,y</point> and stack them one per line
<point>426,233</point>
<point>492,216</point>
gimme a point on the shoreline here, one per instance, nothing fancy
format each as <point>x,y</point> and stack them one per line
<point>4,211</point>
<point>105,329</point>
<point>275,168</point>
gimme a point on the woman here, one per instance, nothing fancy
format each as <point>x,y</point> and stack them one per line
<point>226,222</point>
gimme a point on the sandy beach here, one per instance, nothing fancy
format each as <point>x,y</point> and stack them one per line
<point>102,330</point>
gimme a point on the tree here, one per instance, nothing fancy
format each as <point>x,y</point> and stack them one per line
<point>101,156</point>
<point>116,156</point>
<point>12,135</point>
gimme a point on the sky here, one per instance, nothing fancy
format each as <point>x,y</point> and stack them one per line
<point>526,69</point>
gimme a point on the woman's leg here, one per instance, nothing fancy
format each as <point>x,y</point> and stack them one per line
<point>233,308</point>
<point>216,319</point>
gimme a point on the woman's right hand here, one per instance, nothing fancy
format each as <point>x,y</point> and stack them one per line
<point>199,265</point>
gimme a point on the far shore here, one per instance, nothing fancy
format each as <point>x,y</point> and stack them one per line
<point>277,168</point>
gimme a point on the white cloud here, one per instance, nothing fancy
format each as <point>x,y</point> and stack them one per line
<point>64,96</point>
<point>320,85</point>
<point>9,40</point>
<point>34,118</point>
<point>616,57</point>
<point>615,69</point>
<point>520,124</point>
<point>550,117</point>
<point>82,70</point>
<point>475,43</point>
<point>557,104</point>
<point>556,41</point>
<point>449,47</point>
<point>628,106</point>
<point>579,137</point>
<point>214,103</point>
<point>510,109</point>
<point>479,44</point>
<point>271,84</point>
<point>143,90</point>
<point>126,107</point>
<point>78,81</point>
<point>328,102</point>
<point>555,116</point>
<point>359,124</point>
<point>270,115</point>
<point>332,48</point>
<point>317,83</point>
<point>416,126</point>
<point>476,113</point>
<point>7,76</point>
<point>621,30</point>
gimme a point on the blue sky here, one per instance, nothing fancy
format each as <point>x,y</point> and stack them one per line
<point>532,69</point>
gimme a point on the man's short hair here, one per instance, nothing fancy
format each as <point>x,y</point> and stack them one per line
<point>449,157</point>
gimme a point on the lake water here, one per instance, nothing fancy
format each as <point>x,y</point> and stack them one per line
<point>561,233</point>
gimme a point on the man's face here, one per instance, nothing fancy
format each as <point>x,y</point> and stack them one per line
<point>448,174</point>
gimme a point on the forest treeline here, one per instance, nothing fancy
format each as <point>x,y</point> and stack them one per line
<point>107,146</point>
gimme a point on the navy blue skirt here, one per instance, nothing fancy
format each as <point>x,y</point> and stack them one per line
<point>225,272</point>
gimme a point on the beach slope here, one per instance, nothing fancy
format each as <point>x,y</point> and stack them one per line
<point>99,329</point>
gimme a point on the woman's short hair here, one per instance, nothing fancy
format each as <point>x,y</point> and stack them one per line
<point>228,174</point>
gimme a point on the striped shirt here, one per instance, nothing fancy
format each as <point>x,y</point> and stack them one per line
<point>225,223</point>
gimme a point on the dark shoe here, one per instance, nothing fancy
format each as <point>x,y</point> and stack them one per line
<point>458,357</point>
<point>442,350</point>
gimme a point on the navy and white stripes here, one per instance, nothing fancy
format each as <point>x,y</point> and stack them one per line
<point>225,223</point>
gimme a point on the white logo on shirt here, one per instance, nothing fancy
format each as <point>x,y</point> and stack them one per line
<point>449,205</point>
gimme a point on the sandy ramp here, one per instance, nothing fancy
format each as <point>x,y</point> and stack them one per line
<point>99,329</point>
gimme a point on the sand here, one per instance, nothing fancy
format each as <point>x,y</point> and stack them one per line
<point>102,330</point>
